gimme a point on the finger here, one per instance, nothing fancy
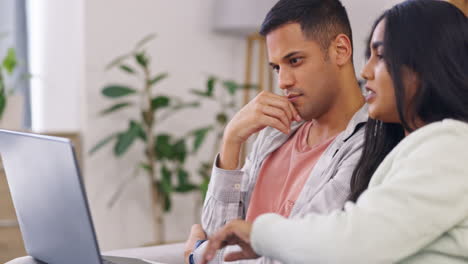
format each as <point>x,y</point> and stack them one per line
<point>295,113</point>
<point>276,113</point>
<point>283,103</point>
<point>209,252</point>
<point>274,123</point>
<point>233,256</point>
<point>277,101</point>
<point>216,242</point>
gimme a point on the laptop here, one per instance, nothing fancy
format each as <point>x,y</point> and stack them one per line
<point>50,200</point>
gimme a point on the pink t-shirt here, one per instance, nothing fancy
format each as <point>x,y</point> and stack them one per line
<point>283,174</point>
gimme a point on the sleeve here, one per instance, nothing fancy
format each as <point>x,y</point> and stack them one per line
<point>224,198</point>
<point>423,194</point>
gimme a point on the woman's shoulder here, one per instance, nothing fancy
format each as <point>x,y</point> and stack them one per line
<point>440,137</point>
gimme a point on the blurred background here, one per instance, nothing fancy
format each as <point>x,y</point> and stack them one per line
<point>143,88</point>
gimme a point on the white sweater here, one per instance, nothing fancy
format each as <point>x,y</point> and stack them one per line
<point>414,211</point>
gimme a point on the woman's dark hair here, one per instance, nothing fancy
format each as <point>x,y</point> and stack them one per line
<point>428,38</point>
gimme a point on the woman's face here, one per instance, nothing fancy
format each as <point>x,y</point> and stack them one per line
<point>380,94</point>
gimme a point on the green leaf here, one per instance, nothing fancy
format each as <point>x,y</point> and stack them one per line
<point>210,86</point>
<point>182,176</point>
<point>142,59</point>
<point>248,86</point>
<point>199,93</point>
<point>200,135</point>
<point>184,184</point>
<point>2,84</point>
<point>159,102</point>
<point>145,166</point>
<point>204,187</point>
<point>3,103</point>
<point>167,203</point>
<point>127,69</point>
<point>205,170</point>
<point>166,180</point>
<point>145,40</point>
<point>185,188</point>
<point>10,62</point>
<point>231,86</point>
<point>102,143</point>
<point>141,133</point>
<point>115,91</point>
<point>125,140</point>
<point>180,150</point>
<point>117,61</point>
<point>185,105</point>
<point>162,147</point>
<point>158,78</point>
<point>115,108</point>
<point>221,118</point>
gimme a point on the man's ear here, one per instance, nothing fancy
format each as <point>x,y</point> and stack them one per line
<point>342,49</point>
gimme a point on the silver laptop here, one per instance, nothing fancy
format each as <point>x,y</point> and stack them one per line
<point>50,200</point>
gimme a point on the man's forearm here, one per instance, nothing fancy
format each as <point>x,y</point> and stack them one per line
<point>229,156</point>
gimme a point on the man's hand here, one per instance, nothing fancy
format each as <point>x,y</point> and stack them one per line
<point>236,232</point>
<point>266,109</point>
<point>196,233</point>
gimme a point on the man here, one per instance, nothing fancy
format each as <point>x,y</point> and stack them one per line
<point>310,138</point>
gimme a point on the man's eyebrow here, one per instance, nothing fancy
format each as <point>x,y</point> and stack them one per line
<point>376,45</point>
<point>287,56</point>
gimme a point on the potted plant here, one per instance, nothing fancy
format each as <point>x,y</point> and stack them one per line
<point>164,155</point>
<point>7,67</point>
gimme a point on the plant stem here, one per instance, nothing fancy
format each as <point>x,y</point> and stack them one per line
<point>149,123</point>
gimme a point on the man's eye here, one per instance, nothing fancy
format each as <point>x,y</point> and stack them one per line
<point>276,68</point>
<point>294,61</point>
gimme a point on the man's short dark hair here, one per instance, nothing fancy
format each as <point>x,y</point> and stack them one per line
<point>320,20</point>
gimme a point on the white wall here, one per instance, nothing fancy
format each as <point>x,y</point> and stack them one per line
<point>362,14</point>
<point>56,63</point>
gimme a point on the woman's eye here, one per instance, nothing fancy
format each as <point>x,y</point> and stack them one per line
<point>379,55</point>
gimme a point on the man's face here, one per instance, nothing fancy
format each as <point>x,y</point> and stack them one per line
<point>305,73</point>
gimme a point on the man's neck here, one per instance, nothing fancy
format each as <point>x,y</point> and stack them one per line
<point>336,119</point>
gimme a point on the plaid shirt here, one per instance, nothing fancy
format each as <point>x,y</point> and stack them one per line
<point>326,189</point>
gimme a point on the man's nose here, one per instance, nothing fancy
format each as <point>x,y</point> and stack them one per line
<point>286,79</point>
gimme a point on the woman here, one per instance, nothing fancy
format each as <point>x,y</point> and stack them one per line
<point>462,4</point>
<point>416,207</point>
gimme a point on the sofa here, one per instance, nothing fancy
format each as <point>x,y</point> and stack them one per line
<point>170,254</point>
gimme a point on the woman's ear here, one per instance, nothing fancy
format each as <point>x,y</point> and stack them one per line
<point>342,49</point>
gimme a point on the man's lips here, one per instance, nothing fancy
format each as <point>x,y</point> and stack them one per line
<point>293,96</point>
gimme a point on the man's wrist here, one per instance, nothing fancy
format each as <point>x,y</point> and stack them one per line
<point>229,155</point>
